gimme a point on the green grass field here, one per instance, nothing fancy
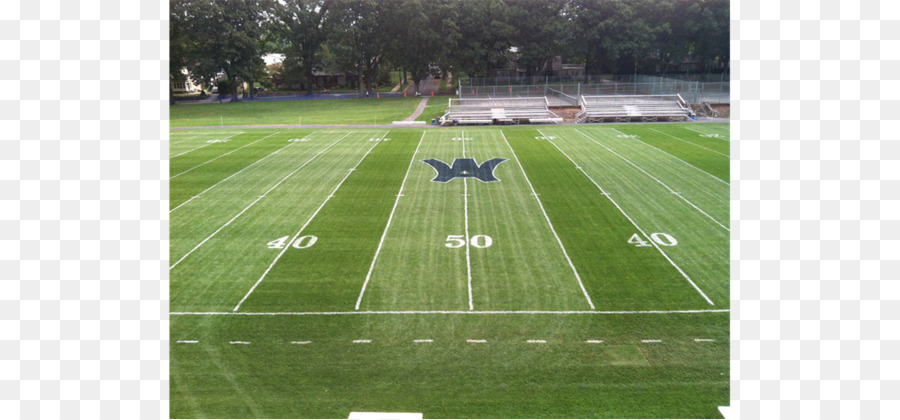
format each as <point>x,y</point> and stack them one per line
<point>315,272</point>
<point>310,112</point>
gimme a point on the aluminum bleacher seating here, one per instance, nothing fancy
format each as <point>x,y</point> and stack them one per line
<point>627,108</point>
<point>534,110</point>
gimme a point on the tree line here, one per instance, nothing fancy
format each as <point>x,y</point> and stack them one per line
<point>460,36</point>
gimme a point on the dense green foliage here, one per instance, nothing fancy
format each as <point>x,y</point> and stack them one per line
<point>472,37</point>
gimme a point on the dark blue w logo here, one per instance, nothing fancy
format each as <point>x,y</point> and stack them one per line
<point>465,168</point>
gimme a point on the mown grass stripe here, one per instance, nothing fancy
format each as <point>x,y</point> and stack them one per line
<point>220,156</point>
<point>713,165</point>
<point>690,142</point>
<point>327,276</point>
<point>678,194</point>
<point>229,177</point>
<point>308,221</point>
<point>388,225</point>
<point>256,201</point>
<point>653,243</point>
<point>549,223</point>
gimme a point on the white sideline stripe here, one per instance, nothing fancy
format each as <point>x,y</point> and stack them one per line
<point>283,250</point>
<point>207,144</point>
<point>679,159</point>
<point>301,342</point>
<point>651,341</point>
<point>256,201</point>
<point>549,223</point>
<point>391,217</point>
<point>594,341</point>
<point>685,311</point>
<point>691,143</point>
<point>704,340</point>
<point>230,176</point>
<point>187,341</point>
<point>466,210</point>
<point>362,341</point>
<point>654,178</point>
<point>536,341</point>
<point>239,342</point>
<point>423,341</point>
<point>476,341</point>
<point>633,223</point>
<point>223,155</point>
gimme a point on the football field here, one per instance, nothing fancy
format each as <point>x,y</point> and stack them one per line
<point>517,272</point>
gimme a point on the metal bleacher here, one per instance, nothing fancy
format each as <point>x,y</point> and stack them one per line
<point>532,110</point>
<point>628,108</point>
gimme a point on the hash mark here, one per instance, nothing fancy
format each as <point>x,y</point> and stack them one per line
<point>238,342</point>
<point>362,341</point>
<point>594,341</point>
<point>476,341</point>
<point>423,341</point>
<point>651,341</point>
<point>187,341</point>
<point>703,340</point>
<point>537,341</point>
<point>301,342</point>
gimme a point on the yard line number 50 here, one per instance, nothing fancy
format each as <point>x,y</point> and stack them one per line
<point>478,241</point>
<point>663,239</point>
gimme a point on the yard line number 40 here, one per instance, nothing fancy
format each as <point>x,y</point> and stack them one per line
<point>302,242</point>
<point>663,239</point>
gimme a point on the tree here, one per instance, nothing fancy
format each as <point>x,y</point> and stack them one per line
<point>418,34</point>
<point>226,36</point>
<point>482,37</point>
<point>539,32</point>
<point>305,25</point>
<point>179,44</point>
<point>363,38</point>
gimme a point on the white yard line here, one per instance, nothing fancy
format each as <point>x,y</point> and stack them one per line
<point>308,221</point>
<point>676,157</point>
<point>230,176</point>
<point>207,144</point>
<point>549,223</point>
<point>686,311</point>
<point>678,194</point>
<point>691,143</point>
<point>391,217</point>
<point>466,210</point>
<point>703,132</point>
<point>256,201</point>
<point>632,221</point>
<point>182,140</point>
<point>222,155</point>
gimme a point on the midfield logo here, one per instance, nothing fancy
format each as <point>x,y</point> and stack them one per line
<point>465,168</point>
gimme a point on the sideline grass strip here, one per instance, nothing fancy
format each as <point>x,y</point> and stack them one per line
<point>504,377</point>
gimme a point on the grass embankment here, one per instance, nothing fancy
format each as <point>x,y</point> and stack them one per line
<point>309,112</point>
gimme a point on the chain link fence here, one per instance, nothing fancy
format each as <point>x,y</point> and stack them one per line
<point>567,90</point>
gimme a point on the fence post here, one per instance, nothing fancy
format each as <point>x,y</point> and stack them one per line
<point>578,95</point>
